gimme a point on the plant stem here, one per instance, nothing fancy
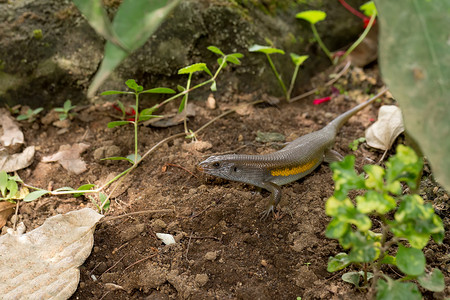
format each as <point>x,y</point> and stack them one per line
<point>361,38</point>
<point>280,81</point>
<point>321,44</point>
<point>136,118</point>
<point>185,105</point>
<point>291,87</point>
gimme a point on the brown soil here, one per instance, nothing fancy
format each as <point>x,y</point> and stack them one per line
<point>223,249</point>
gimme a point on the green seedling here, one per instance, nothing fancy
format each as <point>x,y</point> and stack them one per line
<point>65,110</point>
<point>355,143</point>
<point>296,59</point>
<point>37,34</point>
<point>315,16</point>
<point>408,231</point>
<point>30,115</point>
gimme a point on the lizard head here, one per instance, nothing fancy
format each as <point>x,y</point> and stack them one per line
<point>221,166</point>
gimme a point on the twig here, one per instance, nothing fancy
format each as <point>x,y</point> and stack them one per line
<point>139,261</point>
<point>332,81</point>
<point>204,237</point>
<point>181,167</point>
<point>15,218</point>
<point>110,268</point>
<point>187,249</point>
<point>136,213</point>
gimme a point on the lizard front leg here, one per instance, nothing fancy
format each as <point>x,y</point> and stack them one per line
<point>274,199</point>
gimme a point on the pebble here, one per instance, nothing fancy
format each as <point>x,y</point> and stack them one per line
<point>201,279</point>
<point>212,255</point>
<point>211,102</point>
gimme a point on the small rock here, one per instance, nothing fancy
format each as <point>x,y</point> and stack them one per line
<point>201,279</point>
<point>240,138</point>
<point>212,255</point>
<point>211,102</point>
<point>264,263</point>
<point>62,124</point>
<point>102,267</point>
<point>265,137</point>
<point>158,225</point>
<point>199,146</point>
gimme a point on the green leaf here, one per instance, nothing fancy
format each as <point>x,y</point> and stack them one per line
<point>134,22</point>
<point>22,117</point>
<point>389,259</point>
<point>410,261</point>
<point>59,109</point>
<point>68,105</point>
<point>194,68</point>
<point>404,166</point>
<point>132,159</point>
<point>233,60</point>
<point>417,73</point>
<point>298,59</point>
<point>3,182</point>
<point>382,203</point>
<point>336,207</point>
<point>215,50</point>
<point>34,195</point>
<point>97,17</point>
<point>312,16</point>
<point>143,117</point>
<point>149,111</point>
<point>355,143</point>
<point>213,86</point>
<point>181,88</point>
<point>159,90</point>
<point>355,277</point>
<point>117,123</point>
<point>433,281</point>
<point>369,9</point>
<point>364,247</point>
<point>37,110</point>
<point>265,49</point>
<point>345,177</point>
<point>104,200</point>
<point>337,229</point>
<point>416,222</point>
<point>12,187</point>
<point>84,187</point>
<point>182,104</point>
<point>375,179</point>
<point>395,290</point>
<point>115,93</point>
<point>220,61</point>
<point>338,262</point>
<point>131,83</point>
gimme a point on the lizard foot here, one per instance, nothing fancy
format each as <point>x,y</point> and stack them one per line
<point>266,213</point>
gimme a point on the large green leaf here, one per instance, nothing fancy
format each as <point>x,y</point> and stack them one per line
<point>394,290</point>
<point>134,23</point>
<point>415,63</point>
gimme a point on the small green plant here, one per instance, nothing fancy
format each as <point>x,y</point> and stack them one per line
<point>37,34</point>
<point>9,189</point>
<point>296,59</point>
<point>30,115</point>
<point>355,143</point>
<point>400,239</point>
<point>315,16</point>
<point>65,110</point>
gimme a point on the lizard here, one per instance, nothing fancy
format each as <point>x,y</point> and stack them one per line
<point>296,160</point>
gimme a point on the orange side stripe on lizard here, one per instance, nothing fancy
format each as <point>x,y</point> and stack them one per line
<point>294,170</point>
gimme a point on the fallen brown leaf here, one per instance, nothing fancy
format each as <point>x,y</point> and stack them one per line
<point>69,157</point>
<point>14,162</point>
<point>6,209</point>
<point>11,135</point>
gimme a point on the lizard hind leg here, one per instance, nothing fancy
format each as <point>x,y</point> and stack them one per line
<point>331,156</point>
<point>274,199</point>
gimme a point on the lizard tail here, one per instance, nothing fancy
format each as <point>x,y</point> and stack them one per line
<point>340,121</point>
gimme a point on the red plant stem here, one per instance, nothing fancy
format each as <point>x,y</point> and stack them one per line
<point>352,10</point>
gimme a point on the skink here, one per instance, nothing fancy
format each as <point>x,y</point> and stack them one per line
<point>296,160</point>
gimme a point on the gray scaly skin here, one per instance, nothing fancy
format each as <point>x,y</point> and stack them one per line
<point>299,158</point>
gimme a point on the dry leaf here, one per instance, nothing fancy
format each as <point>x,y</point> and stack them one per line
<point>172,119</point>
<point>43,264</point>
<point>69,157</point>
<point>382,133</point>
<point>14,162</point>
<point>12,136</point>
<point>6,209</point>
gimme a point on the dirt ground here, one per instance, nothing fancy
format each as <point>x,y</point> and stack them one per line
<point>223,249</point>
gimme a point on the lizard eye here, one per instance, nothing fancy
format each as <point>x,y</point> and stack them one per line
<point>235,169</point>
<point>216,164</point>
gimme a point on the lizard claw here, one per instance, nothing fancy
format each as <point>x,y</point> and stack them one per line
<point>266,213</point>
